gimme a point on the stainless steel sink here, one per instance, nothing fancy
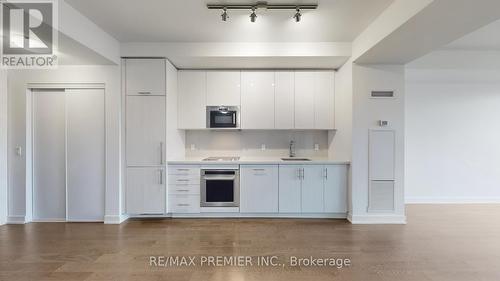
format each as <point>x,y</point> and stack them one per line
<point>295,159</point>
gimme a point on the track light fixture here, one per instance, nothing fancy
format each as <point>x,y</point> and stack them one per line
<point>253,15</point>
<point>262,5</point>
<point>297,15</point>
<point>224,15</point>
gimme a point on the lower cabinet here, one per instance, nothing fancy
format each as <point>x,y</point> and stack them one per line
<point>259,189</point>
<point>335,192</point>
<point>184,189</point>
<point>145,191</point>
<point>312,188</point>
<point>290,178</point>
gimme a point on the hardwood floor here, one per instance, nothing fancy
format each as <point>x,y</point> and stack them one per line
<point>440,242</point>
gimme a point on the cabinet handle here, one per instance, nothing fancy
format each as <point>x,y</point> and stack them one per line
<point>144,93</point>
<point>183,170</point>
<point>325,173</point>
<point>161,153</point>
<point>298,174</point>
<point>182,180</point>
<point>303,174</point>
<point>183,190</point>
<point>161,176</point>
<point>259,169</point>
<point>183,205</point>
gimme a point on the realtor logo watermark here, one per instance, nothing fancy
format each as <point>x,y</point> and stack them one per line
<point>28,34</point>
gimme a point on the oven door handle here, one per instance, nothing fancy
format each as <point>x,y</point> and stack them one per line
<point>218,178</point>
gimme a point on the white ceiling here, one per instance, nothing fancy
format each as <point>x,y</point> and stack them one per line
<point>191,21</point>
<point>486,38</point>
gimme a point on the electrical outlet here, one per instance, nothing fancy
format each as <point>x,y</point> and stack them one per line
<point>193,147</point>
<point>316,146</point>
<point>262,147</point>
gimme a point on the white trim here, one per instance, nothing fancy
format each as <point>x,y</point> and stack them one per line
<point>16,220</point>
<point>66,86</point>
<point>263,215</point>
<point>376,219</point>
<point>112,219</point>
<point>49,220</point>
<point>452,200</point>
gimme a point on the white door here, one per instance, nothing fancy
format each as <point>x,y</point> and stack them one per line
<point>49,157</point>
<point>145,130</point>
<point>145,191</point>
<point>289,189</point>
<point>192,99</point>
<point>312,189</point>
<point>223,88</point>
<point>304,99</point>
<point>324,100</point>
<point>257,100</point>
<point>284,93</point>
<point>335,188</point>
<point>259,189</point>
<point>145,76</point>
<point>85,155</point>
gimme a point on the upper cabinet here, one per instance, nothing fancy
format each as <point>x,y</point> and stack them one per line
<point>284,96</point>
<point>324,100</point>
<point>223,88</point>
<point>257,100</point>
<point>145,76</point>
<point>192,100</point>
<point>304,99</point>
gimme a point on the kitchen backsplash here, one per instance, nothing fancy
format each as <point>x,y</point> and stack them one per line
<point>249,143</point>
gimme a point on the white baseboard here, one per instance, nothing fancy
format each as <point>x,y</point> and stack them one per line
<point>263,215</point>
<point>50,220</point>
<point>112,219</point>
<point>376,219</point>
<point>16,220</point>
<point>452,200</point>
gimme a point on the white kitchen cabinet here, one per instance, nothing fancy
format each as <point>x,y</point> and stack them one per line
<point>145,130</point>
<point>335,188</point>
<point>324,100</point>
<point>145,191</point>
<point>304,99</point>
<point>259,189</point>
<point>223,88</point>
<point>284,93</point>
<point>257,100</point>
<point>312,189</point>
<point>289,188</point>
<point>192,99</point>
<point>145,76</point>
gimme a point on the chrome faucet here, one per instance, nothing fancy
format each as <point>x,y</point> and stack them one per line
<point>291,151</point>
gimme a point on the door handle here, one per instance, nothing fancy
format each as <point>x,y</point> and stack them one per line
<point>161,153</point>
<point>161,176</point>
<point>144,93</point>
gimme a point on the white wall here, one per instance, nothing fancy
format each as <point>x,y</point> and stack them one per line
<point>340,141</point>
<point>453,136</point>
<point>248,143</point>
<point>18,80</point>
<point>3,146</point>
<point>366,113</point>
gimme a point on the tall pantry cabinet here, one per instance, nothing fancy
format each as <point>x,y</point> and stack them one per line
<point>145,136</point>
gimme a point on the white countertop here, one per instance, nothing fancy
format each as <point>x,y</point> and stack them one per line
<point>245,160</point>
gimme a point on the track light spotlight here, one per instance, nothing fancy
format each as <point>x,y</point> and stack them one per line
<point>297,15</point>
<point>224,15</point>
<point>253,15</point>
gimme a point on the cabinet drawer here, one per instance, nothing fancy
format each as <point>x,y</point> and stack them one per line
<point>184,179</point>
<point>184,170</point>
<point>184,189</point>
<point>184,203</point>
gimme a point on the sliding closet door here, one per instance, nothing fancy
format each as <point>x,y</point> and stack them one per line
<point>85,154</point>
<point>49,168</point>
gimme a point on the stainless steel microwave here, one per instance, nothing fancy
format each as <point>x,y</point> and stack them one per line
<point>223,117</point>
